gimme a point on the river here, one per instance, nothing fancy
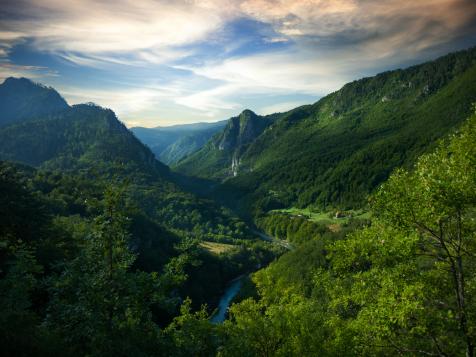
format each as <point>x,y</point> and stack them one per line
<point>230,292</point>
<point>235,285</point>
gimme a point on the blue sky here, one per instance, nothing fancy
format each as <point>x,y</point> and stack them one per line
<point>170,62</point>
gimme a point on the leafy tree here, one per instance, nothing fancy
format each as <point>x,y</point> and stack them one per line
<point>98,304</point>
<point>408,281</point>
<point>22,214</point>
<point>403,286</point>
<point>191,333</point>
<point>18,324</point>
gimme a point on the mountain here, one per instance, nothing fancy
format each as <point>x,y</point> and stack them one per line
<point>336,151</point>
<point>74,138</point>
<point>38,128</point>
<point>20,99</point>
<point>222,154</point>
<point>87,138</point>
<point>172,143</point>
<point>76,156</point>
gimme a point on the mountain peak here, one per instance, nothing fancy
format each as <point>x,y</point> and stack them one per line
<point>22,99</point>
<point>15,81</point>
<point>248,113</point>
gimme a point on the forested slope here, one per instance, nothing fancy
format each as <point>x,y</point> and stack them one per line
<point>336,151</point>
<point>80,153</point>
<point>172,143</point>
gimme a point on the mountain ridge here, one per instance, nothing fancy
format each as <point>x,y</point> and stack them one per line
<point>170,144</point>
<point>335,151</point>
<point>42,100</point>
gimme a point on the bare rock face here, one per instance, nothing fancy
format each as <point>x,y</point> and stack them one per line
<point>241,130</point>
<point>238,134</point>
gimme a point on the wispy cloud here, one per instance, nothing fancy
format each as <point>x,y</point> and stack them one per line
<point>198,59</point>
<point>33,72</point>
<point>155,29</point>
<point>398,23</point>
<point>96,28</point>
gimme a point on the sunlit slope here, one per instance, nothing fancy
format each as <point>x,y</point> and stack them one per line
<point>339,149</point>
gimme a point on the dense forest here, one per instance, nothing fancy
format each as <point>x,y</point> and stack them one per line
<point>335,152</point>
<point>350,221</point>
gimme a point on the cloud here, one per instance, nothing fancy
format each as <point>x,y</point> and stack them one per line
<point>278,73</point>
<point>96,28</point>
<point>148,27</point>
<point>214,101</point>
<point>32,72</point>
<point>213,56</point>
<point>328,18</point>
<point>255,79</point>
<point>386,26</point>
<point>128,103</point>
<point>148,31</point>
<point>281,107</point>
<point>7,40</point>
<point>334,42</point>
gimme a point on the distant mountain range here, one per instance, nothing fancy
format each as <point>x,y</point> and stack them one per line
<point>336,151</point>
<point>170,144</point>
<point>88,138</point>
<point>331,153</point>
<point>69,156</point>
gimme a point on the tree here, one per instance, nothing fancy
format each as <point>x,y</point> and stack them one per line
<point>98,303</point>
<point>192,334</point>
<point>18,324</point>
<point>407,282</point>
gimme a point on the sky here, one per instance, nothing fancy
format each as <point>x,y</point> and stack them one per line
<point>160,62</point>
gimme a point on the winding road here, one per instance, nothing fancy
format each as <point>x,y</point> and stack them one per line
<point>268,238</point>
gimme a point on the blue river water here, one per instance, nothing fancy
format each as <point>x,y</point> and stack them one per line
<point>230,292</point>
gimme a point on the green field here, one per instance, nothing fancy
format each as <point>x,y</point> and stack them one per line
<point>217,248</point>
<point>323,217</point>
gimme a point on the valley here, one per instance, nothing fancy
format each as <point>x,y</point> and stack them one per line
<point>345,227</point>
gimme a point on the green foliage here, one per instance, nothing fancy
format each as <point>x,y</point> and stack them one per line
<point>191,334</point>
<point>91,144</point>
<point>294,229</point>
<point>338,150</point>
<point>217,158</point>
<point>19,334</point>
<point>80,136</point>
<point>99,245</point>
<point>80,233</point>
<point>402,286</point>
<point>21,212</point>
<point>98,304</point>
<point>292,328</point>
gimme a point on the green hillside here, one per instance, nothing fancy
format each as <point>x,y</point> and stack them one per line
<point>170,144</point>
<point>220,157</point>
<point>89,138</point>
<point>336,151</point>
<point>75,156</point>
<point>105,252</point>
<point>78,136</point>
